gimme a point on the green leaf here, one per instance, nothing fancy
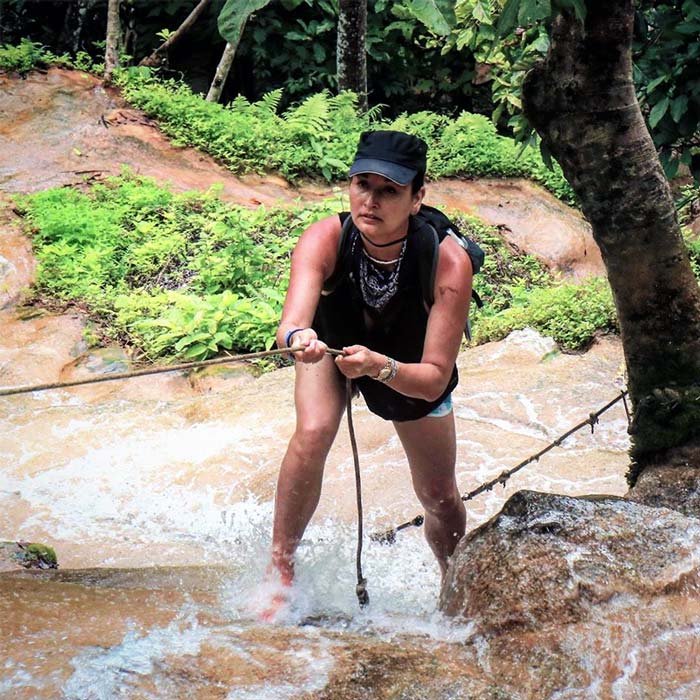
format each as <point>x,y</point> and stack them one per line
<point>688,28</point>
<point>508,17</point>
<point>480,13</point>
<point>580,10</point>
<point>541,44</point>
<point>655,83</point>
<point>658,111</point>
<point>234,15</point>
<point>533,11</point>
<point>428,13</point>
<point>195,351</point>
<point>670,163</point>
<point>679,107</point>
<point>546,156</point>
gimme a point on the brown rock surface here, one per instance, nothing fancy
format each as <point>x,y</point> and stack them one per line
<point>548,560</point>
<point>170,633</point>
<point>17,263</point>
<point>78,130</point>
<point>529,218</point>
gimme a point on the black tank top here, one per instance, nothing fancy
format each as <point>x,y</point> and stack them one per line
<point>398,330</point>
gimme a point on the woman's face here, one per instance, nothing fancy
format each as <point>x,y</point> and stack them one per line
<point>380,208</point>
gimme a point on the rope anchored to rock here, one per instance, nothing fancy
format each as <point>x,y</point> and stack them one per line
<point>389,536</point>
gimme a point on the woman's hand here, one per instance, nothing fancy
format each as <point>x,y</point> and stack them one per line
<point>359,361</point>
<point>313,348</point>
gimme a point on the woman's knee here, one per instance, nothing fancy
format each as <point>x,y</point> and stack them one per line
<point>315,439</point>
<point>440,501</point>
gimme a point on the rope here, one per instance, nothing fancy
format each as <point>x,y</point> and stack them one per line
<point>389,536</point>
<point>155,370</point>
<point>361,587</point>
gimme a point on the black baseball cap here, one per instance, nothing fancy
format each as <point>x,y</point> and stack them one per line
<point>393,154</point>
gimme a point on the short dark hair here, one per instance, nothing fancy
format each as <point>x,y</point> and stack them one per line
<point>417,182</point>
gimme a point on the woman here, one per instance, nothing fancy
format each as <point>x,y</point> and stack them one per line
<point>399,354</point>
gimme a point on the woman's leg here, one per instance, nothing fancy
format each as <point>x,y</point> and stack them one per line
<point>430,446</point>
<point>319,400</point>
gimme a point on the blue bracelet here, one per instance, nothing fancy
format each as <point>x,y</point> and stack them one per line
<point>289,335</point>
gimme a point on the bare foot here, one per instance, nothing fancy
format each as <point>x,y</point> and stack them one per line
<point>274,596</point>
<point>275,609</point>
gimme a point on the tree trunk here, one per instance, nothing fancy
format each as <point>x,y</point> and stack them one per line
<point>222,71</point>
<point>582,102</point>
<point>130,32</point>
<point>73,23</point>
<point>113,33</point>
<point>351,54</point>
<point>156,57</point>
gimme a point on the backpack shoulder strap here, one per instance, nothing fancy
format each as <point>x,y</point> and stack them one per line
<point>342,256</point>
<point>428,253</point>
<point>443,227</point>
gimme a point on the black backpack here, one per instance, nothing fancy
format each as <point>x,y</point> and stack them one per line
<point>435,227</point>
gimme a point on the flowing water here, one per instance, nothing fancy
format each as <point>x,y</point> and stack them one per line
<point>157,495</point>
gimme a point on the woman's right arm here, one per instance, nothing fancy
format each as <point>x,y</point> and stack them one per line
<point>313,261</point>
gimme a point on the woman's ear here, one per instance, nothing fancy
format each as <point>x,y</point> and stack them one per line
<point>417,200</point>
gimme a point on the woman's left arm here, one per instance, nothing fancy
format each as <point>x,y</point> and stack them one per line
<point>428,378</point>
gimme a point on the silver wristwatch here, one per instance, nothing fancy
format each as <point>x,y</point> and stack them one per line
<point>388,372</point>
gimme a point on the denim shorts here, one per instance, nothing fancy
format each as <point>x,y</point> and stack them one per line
<point>443,409</point>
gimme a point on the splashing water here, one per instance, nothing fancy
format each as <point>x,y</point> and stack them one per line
<point>187,481</point>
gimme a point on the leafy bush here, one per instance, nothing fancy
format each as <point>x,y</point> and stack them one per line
<point>28,55</point>
<point>21,58</point>
<point>470,146</point>
<point>318,137</point>
<point>571,314</point>
<point>188,275</point>
<point>170,273</point>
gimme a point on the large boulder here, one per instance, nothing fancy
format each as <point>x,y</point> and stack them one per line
<point>549,560</point>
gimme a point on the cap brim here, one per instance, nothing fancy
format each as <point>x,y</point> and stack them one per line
<point>396,173</point>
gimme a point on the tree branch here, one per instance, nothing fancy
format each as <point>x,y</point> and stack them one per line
<point>155,58</point>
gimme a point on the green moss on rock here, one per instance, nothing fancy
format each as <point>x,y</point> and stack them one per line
<point>37,556</point>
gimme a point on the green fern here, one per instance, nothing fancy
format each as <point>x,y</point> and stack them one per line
<point>311,117</point>
<point>270,102</point>
<point>240,105</point>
